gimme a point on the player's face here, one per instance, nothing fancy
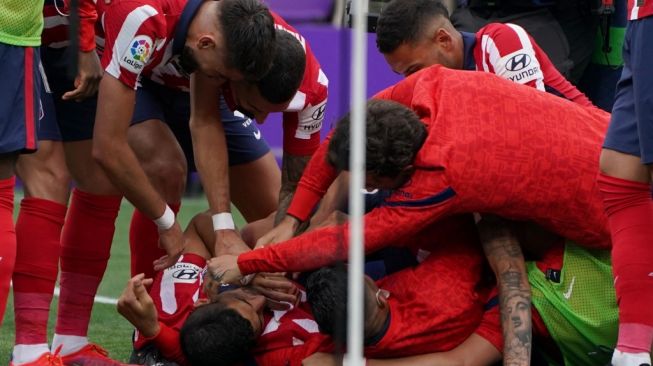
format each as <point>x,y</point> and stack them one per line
<point>411,57</point>
<point>251,103</point>
<point>248,303</point>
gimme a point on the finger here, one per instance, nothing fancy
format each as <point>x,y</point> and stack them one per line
<point>278,296</point>
<point>148,282</point>
<point>160,264</point>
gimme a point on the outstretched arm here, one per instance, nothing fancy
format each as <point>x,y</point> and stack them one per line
<point>507,261</point>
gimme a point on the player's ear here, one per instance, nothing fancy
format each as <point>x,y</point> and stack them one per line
<point>205,42</point>
<point>443,38</point>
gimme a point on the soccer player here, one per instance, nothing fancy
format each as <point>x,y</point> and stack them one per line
<point>20,38</point>
<point>228,327</point>
<point>416,34</point>
<point>625,182</point>
<point>574,317</point>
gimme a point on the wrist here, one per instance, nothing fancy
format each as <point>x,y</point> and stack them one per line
<point>165,221</point>
<point>151,331</point>
<point>223,221</point>
<point>291,221</point>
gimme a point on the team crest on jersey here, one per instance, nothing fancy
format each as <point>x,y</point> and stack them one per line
<point>138,54</point>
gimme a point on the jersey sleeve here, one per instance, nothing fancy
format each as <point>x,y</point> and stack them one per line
<point>169,343</point>
<point>400,217</point>
<point>314,183</point>
<point>490,327</point>
<point>132,32</point>
<point>508,51</point>
<point>87,18</point>
<point>301,130</point>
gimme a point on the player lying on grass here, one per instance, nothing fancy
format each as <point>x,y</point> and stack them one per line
<point>574,317</point>
<point>184,306</point>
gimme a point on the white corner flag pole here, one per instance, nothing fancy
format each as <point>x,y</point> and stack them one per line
<point>355,319</point>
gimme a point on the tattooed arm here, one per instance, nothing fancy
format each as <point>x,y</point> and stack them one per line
<point>292,168</point>
<point>505,256</point>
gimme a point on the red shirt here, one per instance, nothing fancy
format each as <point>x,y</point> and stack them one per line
<point>436,305</point>
<point>514,152</point>
<point>302,120</point>
<point>638,9</point>
<point>507,50</point>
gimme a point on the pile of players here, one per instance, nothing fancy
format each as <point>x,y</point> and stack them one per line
<point>500,215</point>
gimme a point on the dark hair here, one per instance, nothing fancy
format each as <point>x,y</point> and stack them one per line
<point>326,291</point>
<point>248,29</point>
<point>404,21</point>
<point>287,72</point>
<point>216,335</point>
<point>394,136</point>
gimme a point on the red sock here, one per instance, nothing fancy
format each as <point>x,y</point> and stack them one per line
<point>38,234</point>
<point>7,240</point>
<point>629,207</point>
<point>144,243</point>
<point>86,246</point>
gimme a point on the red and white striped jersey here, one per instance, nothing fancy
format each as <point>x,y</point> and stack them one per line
<point>638,9</point>
<point>175,291</point>
<point>508,51</point>
<point>55,26</point>
<point>139,38</point>
<point>302,120</point>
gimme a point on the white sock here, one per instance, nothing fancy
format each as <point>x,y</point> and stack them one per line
<point>24,353</point>
<point>70,344</point>
<point>620,358</point>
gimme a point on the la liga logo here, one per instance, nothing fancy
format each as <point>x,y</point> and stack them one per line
<point>140,50</point>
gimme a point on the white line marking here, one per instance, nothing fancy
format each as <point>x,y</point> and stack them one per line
<point>99,299</point>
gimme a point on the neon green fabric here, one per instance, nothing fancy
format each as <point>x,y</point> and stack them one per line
<point>21,22</point>
<point>581,311</point>
<point>614,57</point>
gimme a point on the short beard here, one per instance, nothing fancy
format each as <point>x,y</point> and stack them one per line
<point>187,61</point>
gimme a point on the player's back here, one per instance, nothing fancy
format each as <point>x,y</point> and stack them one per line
<point>511,150</point>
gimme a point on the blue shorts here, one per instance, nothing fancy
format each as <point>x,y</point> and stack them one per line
<point>75,119</point>
<point>48,128</point>
<point>19,98</point>
<point>631,126</point>
<point>153,101</point>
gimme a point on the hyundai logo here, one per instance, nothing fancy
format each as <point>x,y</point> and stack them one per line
<point>518,62</point>
<point>185,274</point>
<point>319,113</point>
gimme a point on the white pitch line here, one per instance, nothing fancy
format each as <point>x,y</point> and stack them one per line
<point>99,299</point>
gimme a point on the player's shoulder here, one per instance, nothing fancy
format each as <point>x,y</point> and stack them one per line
<point>499,28</point>
<point>133,11</point>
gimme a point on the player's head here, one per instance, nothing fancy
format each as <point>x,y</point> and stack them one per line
<point>326,291</point>
<point>276,89</point>
<point>225,331</point>
<point>230,39</point>
<point>416,34</point>
<point>394,136</point>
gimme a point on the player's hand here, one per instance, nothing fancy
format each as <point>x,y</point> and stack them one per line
<point>136,305</point>
<point>171,241</point>
<point>282,232</point>
<point>229,242</point>
<point>323,359</point>
<point>281,293</point>
<point>224,269</point>
<point>88,77</point>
